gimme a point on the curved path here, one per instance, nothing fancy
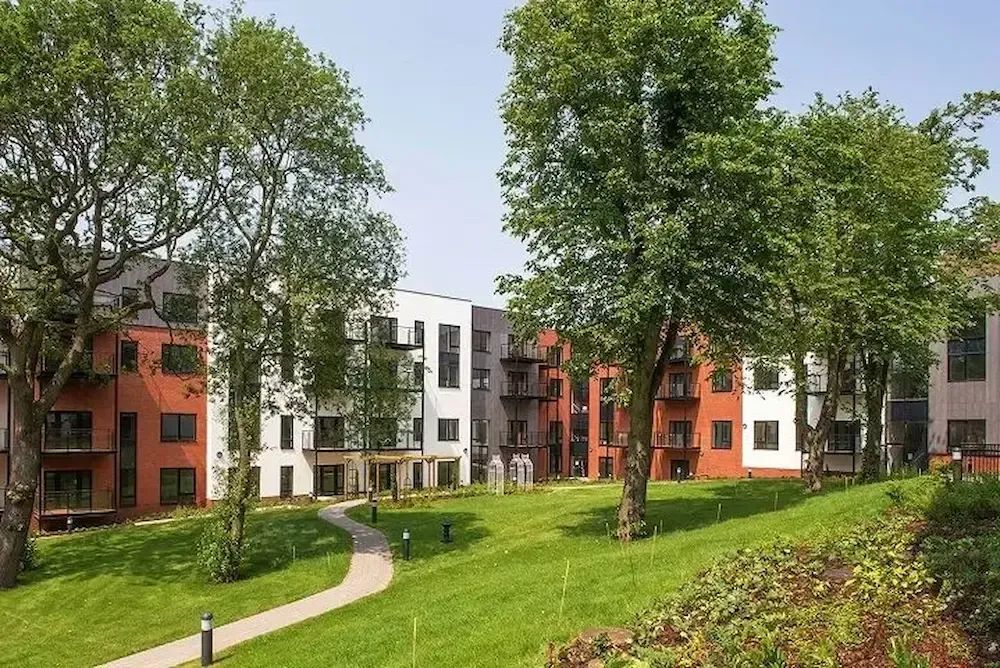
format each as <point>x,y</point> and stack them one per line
<point>370,572</point>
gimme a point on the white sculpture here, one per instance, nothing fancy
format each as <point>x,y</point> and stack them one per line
<point>494,475</point>
<point>529,473</point>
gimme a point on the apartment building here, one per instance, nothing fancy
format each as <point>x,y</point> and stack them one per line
<point>127,434</point>
<point>326,453</point>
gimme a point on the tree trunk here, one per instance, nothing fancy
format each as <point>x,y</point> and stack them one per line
<point>818,434</point>
<point>632,508</point>
<point>876,376</point>
<point>22,486</point>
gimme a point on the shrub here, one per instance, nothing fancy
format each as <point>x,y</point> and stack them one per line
<point>29,560</point>
<point>218,556</point>
<point>957,504</point>
<point>903,657</point>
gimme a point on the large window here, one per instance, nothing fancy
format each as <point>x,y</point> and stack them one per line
<point>846,436</point>
<point>581,397</point>
<point>555,388</point>
<point>765,377</point>
<point>555,433</point>
<point>178,359</point>
<point>722,380</point>
<point>418,332</point>
<point>605,467</point>
<point>130,296</point>
<point>180,307</point>
<point>681,434</point>
<point>330,478</point>
<point>966,432</point>
<point>177,427</point>
<point>69,430</point>
<point>967,354</point>
<point>418,430</point>
<point>479,462</point>
<point>447,429</point>
<point>765,435</point>
<point>480,432</point>
<point>447,474</point>
<point>129,356</point>
<point>177,487</point>
<point>480,379</point>
<point>722,435</point>
<point>555,459</point>
<point>480,341</point>
<point>449,359</point>
<point>330,432</point>
<point>287,432</point>
<point>127,441</point>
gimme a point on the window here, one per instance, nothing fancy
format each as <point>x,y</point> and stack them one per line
<point>287,431</point>
<point>287,361</point>
<point>765,377</point>
<point>177,487</point>
<point>722,380</point>
<point>966,432</point>
<point>448,355</point>
<point>480,341</point>
<point>130,296</point>
<point>967,354</point>
<point>722,435</point>
<point>845,436</point>
<point>447,430</point>
<point>287,478</point>
<point>480,432</point>
<point>607,401</point>
<point>555,433</point>
<point>555,459</point>
<point>480,379</point>
<point>765,435</point>
<point>449,338</point>
<point>180,307</point>
<point>418,475</point>
<point>331,480</point>
<point>418,430</point>
<point>447,474</point>
<point>178,359</point>
<point>680,385</point>
<point>605,467</point>
<point>605,433</point>
<point>554,356</point>
<point>555,387</point>
<point>69,430</point>
<point>130,356</point>
<point>679,351</point>
<point>330,432</point>
<point>581,397</point>
<point>127,440</point>
<point>177,427</point>
<point>517,433</point>
<point>681,435</point>
<point>418,332</point>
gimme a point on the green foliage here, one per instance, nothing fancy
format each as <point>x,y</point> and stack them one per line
<point>902,656</point>
<point>218,556</point>
<point>960,505</point>
<point>29,560</point>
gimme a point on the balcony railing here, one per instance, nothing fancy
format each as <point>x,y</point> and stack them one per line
<point>678,392</point>
<point>89,364</point>
<point>844,444</point>
<point>817,383</point>
<point>521,439</point>
<point>520,352</point>
<point>377,440</point>
<point>396,336</point>
<point>677,440</point>
<point>521,390</point>
<point>77,502</point>
<point>551,356</point>
<point>78,440</point>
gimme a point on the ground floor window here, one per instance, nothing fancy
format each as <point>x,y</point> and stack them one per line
<point>578,460</point>
<point>386,477</point>
<point>127,440</point>
<point>418,475</point>
<point>177,487</point>
<point>555,459</point>
<point>331,480</point>
<point>606,467</point>
<point>287,478</point>
<point>765,435</point>
<point>480,460</point>
<point>447,474</point>
<point>966,432</point>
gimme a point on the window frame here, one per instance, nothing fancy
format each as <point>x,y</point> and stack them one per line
<point>769,368</point>
<point>484,424</point>
<point>179,438</point>
<point>167,348</point>
<point>477,380</point>
<point>965,424</point>
<point>133,346</point>
<point>764,443</point>
<point>445,428</point>
<point>719,374</point>
<point>960,350</point>
<point>287,433</point>
<point>478,336</point>
<point>180,499</point>
<point>722,444</point>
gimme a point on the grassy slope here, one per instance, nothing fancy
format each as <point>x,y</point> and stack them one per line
<point>105,594</point>
<point>492,597</point>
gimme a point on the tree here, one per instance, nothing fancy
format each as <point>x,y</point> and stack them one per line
<point>294,242</point>
<point>107,157</point>
<point>634,158</point>
<point>861,199</point>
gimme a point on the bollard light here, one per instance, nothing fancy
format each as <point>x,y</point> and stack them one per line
<point>406,544</point>
<point>446,532</point>
<point>750,473</point>
<point>956,455</point>
<point>206,639</point>
<point>374,510</point>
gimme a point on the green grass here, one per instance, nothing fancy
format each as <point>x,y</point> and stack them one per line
<point>492,597</point>
<point>104,594</point>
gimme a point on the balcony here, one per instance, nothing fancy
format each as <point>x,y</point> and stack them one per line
<point>521,352</point>
<point>521,390</point>
<point>551,357</point>
<point>678,392</point>
<point>397,336</point>
<point>340,442</point>
<point>522,439</point>
<point>63,441</point>
<point>90,365</point>
<point>843,445</point>
<point>677,441</point>
<point>817,383</point>
<point>77,502</point>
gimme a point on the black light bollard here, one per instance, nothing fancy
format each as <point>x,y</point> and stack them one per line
<point>406,544</point>
<point>445,532</point>
<point>750,473</point>
<point>680,477</point>
<point>206,639</point>
<point>375,510</point>
<point>956,464</point>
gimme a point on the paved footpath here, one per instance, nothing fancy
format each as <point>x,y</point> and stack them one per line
<point>370,572</point>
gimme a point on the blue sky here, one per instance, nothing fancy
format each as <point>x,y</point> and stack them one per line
<point>430,73</point>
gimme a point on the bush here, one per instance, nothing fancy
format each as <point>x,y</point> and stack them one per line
<point>957,504</point>
<point>218,557</point>
<point>29,560</point>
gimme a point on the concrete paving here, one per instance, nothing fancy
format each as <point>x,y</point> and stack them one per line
<point>370,572</point>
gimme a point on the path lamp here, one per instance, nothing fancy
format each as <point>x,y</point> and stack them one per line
<point>446,532</point>
<point>956,464</point>
<point>206,638</point>
<point>374,510</point>
<point>406,544</point>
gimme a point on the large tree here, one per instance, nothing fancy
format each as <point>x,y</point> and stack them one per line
<point>108,154</point>
<point>294,243</point>
<point>634,156</point>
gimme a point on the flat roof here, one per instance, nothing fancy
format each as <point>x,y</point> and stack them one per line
<point>433,294</point>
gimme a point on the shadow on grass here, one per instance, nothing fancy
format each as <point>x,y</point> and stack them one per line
<point>424,524</point>
<point>169,551</point>
<point>738,499</point>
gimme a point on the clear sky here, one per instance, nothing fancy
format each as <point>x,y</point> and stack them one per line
<point>430,73</point>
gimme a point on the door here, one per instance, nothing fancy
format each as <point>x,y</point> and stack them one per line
<point>331,480</point>
<point>287,473</point>
<point>66,490</point>
<point>680,469</point>
<point>418,475</point>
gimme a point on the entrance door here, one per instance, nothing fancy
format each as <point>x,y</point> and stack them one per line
<point>286,481</point>
<point>680,469</point>
<point>418,475</point>
<point>331,480</point>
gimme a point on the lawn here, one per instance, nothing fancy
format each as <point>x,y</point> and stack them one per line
<point>492,597</point>
<point>104,594</point>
